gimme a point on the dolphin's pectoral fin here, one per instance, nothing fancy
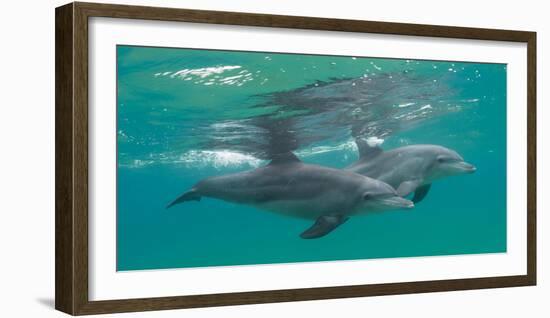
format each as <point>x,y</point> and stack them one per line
<point>421,192</point>
<point>408,187</point>
<point>324,225</point>
<point>191,195</point>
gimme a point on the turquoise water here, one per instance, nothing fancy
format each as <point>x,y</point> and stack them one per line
<point>184,115</point>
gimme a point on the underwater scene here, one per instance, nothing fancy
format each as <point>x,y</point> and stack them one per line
<point>231,158</point>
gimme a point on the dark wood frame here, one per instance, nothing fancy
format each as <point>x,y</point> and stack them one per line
<point>71,154</point>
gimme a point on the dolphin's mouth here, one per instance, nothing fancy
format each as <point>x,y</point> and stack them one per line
<point>397,202</point>
<point>465,167</point>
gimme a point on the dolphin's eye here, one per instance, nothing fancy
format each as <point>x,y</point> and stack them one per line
<point>441,160</point>
<point>366,196</point>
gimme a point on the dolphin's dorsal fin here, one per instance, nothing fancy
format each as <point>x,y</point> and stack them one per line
<point>367,151</point>
<point>282,158</point>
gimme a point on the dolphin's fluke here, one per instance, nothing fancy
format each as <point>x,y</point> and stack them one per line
<point>367,151</point>
<point>324,225</point>
<point>191,195</point>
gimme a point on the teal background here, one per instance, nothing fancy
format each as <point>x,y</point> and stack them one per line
<point>163,122</point>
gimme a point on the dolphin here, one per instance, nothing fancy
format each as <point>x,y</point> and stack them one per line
<point>409,169</point>
<point>290,187</point>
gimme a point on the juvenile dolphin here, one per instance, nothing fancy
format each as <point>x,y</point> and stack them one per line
<point>291,187</point>
<point>411,168</point>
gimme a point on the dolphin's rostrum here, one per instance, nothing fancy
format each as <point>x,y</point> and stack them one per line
<point>290,187</point>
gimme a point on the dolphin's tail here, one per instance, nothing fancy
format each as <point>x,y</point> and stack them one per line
<point>190,195</point>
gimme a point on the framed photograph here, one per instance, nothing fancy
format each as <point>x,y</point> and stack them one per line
<point>219,158</point>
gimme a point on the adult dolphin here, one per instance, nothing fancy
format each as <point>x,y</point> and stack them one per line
<point>409,169</point>
<point>291,187</point>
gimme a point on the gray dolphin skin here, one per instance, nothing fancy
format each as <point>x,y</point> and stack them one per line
<point>411,168</point>
<point>290,187</point>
